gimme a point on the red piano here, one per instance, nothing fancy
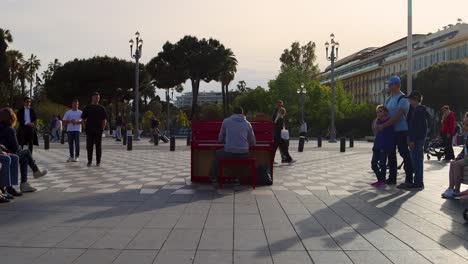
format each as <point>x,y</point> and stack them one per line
<point>205,142</point>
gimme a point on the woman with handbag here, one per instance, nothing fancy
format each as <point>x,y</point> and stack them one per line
<point>281,135</point>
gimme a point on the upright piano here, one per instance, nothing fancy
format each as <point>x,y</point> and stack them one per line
<point>205,142</point>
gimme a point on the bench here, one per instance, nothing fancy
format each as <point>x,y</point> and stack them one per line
<point>248,162</point>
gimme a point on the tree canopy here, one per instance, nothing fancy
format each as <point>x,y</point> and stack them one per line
<point>301,58</point>
<point>191,59</point>
<point>444,84</point>
<point>111,77</point>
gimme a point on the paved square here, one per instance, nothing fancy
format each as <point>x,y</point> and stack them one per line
<point>140,207</point>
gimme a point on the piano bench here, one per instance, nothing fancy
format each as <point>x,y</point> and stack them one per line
<point>249,162</point>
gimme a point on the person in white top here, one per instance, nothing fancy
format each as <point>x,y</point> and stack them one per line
<point>72,119</point>
<point>303,131</point>
<point>58,128</point>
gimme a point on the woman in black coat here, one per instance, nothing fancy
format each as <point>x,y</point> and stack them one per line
<point>278,140</point>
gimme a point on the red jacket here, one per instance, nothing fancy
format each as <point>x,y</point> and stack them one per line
<point>448,126</point>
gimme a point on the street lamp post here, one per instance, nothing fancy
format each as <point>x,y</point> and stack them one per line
<point>302,92</point>
<point>137,55</point>
<point>332,58</point>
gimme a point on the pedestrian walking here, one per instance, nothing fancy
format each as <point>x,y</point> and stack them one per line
<point>27,134</point>
<point>383,145</point>
<point>118,127</point>
<point>59,128</point>
<point>95,120</point>
<point>73,121</point>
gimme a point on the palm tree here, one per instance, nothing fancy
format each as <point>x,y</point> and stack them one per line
<point>15,61</point>
<point>5,39</point>
<point>227,74</point>
<point>32,65</point>
<point>51,68</point>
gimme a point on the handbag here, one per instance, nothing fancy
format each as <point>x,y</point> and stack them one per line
<point>285,134</point>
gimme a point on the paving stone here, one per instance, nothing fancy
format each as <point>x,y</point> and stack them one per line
<point>59,256</point>
<point>291,257</point>
<point>20,255</point>
<point>183,239</point>
<point>329,257</point>
<point>405,257</point>
<point>216,239</point>
<point>250,240</point>
<point>101,256</point>
<point>175,256</point>
<point>247,221</point>
<point>367,257</point>
<point>149,239</point>
<point>213,257</point>
<point>283,240</point>
<point>83,238</point>
<point>136,256</point>
<point>116,239</point>
<point>252,257</point>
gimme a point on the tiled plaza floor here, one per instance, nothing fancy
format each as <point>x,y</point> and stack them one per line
<point>140,207</point>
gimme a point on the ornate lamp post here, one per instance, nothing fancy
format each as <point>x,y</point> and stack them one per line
<point>137,55</point>
<point>332,58</point>
<point>302,92</point>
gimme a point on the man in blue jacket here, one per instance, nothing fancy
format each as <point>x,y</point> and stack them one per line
<point>417,131</point>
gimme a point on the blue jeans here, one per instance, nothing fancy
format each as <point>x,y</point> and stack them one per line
<point>401,141</point>
<point>9,170</point>
<point>379,163</point>
<point>74,143</point>
<point>417,158</point>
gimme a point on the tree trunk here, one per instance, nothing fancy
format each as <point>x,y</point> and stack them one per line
<point>224,99</point>
<point>195,86</point>
<point>227,97</point>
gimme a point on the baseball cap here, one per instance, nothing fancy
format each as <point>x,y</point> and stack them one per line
<point>415,95</point>
<point>393,80</point>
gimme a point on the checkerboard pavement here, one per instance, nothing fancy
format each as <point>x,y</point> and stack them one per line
<point>141,207</point>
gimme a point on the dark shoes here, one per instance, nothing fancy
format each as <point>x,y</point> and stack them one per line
<point>410,186</point>
<point>13,191</point>
<point>390,182</point>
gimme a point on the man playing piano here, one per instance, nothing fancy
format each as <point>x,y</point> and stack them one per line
<point>237,136</point>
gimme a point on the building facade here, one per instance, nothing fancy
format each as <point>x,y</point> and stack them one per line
<point>364,73</point>
<point>185,100</point>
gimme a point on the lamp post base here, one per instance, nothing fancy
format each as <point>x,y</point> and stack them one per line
<point>332,140</point>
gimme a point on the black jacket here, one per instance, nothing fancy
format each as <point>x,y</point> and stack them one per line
<point>417,123</point>
<point>8,138</point>
<point>20,116</point>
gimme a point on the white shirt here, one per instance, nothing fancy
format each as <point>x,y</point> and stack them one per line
<point>27,116</point>
<point>70,115</point>
<point>303,127</point>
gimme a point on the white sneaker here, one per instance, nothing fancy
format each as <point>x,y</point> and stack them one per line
<point>76,159</point>
<point>70,159</point>
<point>448,194</point>
<point>25,187</point>
<point>38,174</point>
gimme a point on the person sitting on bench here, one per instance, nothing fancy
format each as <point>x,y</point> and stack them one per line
<point>237,136</point>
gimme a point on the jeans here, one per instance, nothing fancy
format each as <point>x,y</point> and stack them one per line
<point>220,153</point>
<point>401,141</point>
<point>448,149</point>
<point>94,138</point>
<point>25,160</point>
<point>74,143</point>
<point>417,158</point>
<point>379,163</point>
<point>9,170</point>
<point>118,132</point>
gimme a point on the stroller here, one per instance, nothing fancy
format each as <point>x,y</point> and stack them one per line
<point>435,147</point>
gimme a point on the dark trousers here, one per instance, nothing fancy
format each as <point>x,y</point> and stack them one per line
<point>283,145</point>
<point>27,134</point>
<point>74,143</point>
<point>448,148</point>
<point>25,160</point>
<point>379,163</point>
<point>304,134</point>
<point>401,142</point>
<point>220,154</point>
<point>94,138</point>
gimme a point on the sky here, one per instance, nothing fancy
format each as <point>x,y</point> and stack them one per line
<point>256,30</point>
